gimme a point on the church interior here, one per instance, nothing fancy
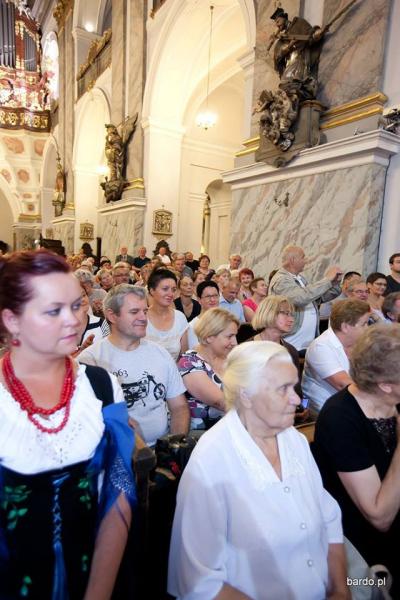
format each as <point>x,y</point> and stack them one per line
<point>190,159</point>
<point>101,62</point>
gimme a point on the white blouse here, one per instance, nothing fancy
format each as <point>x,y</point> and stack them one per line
<point>236,522</point>
<point>25,449</point>
<point>171,338</point>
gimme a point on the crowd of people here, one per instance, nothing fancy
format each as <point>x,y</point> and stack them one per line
<point>99,352</point>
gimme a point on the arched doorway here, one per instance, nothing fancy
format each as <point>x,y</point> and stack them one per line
<point>180,159</point>
<point>216,222</point>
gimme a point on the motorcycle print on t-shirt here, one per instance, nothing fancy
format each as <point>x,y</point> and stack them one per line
<point>144,390</point>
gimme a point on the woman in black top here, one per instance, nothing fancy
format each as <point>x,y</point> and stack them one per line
<point>357,451</point>
<point>185,303</point>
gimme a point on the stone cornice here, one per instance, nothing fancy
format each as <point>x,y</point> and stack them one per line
<point>373,147</point>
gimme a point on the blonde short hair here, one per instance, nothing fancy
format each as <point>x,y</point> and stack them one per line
<point>244,365</point>
<point>213,322</point>
<point>222,271</point>
<point>268,310</point>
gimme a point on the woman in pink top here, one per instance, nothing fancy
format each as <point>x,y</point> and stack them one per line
<point>259,290</point>
<point>246,276</point>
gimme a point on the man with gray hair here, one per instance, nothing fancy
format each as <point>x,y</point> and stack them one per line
<point>235,260</point>
<point>288,282</point>
<point>152,386</point>
<point>180,267</point>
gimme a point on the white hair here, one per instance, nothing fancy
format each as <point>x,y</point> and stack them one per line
<point>244,365</point>
<point>289,252</point>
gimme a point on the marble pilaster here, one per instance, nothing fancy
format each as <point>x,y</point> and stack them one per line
<point>352,58</point>
<point>66,103</point>
<point>64,229</point>
<point>118,84</point>
<point>121,224</point>
<point>135,80</point>
<point>24,236</point>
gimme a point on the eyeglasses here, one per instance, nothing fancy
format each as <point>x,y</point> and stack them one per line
<point>287,313</point>
<point>210,297</point>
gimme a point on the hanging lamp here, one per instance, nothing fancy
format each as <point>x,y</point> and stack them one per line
<point>207,118</point>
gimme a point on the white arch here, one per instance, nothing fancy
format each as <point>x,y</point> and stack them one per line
<point>49,166</point>
<point>185,59</point>
<point>88,156</point>
<point>89,140</point>
<point>88,12</point>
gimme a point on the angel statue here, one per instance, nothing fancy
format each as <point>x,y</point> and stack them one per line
<point>59,189</point>
<point>117,140</point>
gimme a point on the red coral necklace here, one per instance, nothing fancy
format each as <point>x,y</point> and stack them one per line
<point>25,400</point>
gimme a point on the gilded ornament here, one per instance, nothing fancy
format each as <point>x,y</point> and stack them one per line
<point>162,222</point>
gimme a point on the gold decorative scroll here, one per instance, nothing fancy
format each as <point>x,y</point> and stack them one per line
<point>95,49</point>
<point>23,118</point>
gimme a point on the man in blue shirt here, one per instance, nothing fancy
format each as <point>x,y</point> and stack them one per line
<point>228,299</point>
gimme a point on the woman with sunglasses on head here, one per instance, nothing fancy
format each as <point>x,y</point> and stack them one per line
<point>59,536</point>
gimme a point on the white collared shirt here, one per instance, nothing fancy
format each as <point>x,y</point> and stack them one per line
<point>324,357</point>
<point>236,522</point>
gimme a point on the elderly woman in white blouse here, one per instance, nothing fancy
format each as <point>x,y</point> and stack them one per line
<point>253,520</point>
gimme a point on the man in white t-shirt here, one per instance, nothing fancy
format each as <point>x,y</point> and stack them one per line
<point>326,366</point>
<point>152,386</point>
<point>288,282</point>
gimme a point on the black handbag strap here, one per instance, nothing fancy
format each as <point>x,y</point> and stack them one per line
<point>101,384</point>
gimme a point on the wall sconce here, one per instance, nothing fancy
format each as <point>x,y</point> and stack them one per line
<point>284,202</point>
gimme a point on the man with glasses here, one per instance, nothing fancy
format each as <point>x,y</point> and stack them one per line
<point>208,295</point>
<point>358,289</point>
<point>326,367</point>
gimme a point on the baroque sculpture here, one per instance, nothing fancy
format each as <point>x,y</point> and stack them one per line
<point>117,140</point>
<point>289,116</point>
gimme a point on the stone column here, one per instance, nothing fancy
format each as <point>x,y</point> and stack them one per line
<point>66,108</point>
<point>128,73</point>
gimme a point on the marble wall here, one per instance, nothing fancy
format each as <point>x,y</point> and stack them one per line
<point>121,227</point>
<point>25,236</point>
<point>335,216</point>
<point>64,231</point>
<point>352,58</point>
